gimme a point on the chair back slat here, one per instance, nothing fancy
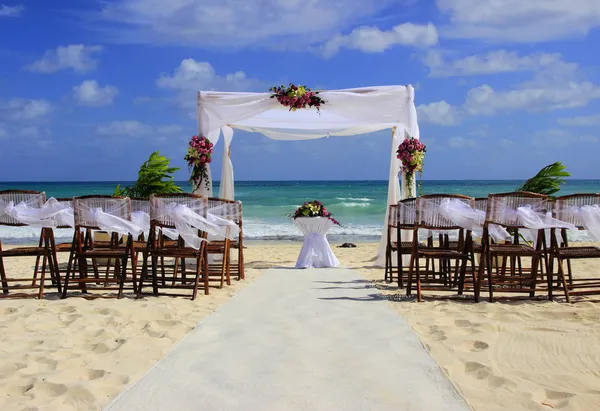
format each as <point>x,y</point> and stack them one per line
<point>481,204</point>
<point>160,218</point>
<point>117,206</point>
<point>140,204</point>
<point>393,215</point>
<point>407,213</point>
<point>68,201</point>
<point>227,209</point>
<point>501,208</point>
<point>34,199</point>
<point>564,206</point>
<point>429,216</point>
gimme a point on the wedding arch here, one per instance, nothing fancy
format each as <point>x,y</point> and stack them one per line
<point>346,112</point>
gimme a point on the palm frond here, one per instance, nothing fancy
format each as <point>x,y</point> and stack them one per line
<point>547,181</point>
<point>154,177</point>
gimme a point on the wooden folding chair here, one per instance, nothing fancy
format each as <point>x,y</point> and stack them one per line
<point>221,271</point>
<point>86,220</point>
<point>565,252</point>
<point>157,250</point>
<point>45,249</point>
<point>501,211</point>
<point>428,217</point>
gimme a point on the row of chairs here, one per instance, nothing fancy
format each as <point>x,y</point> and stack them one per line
<point>118,255</point>
<point>499,267</point>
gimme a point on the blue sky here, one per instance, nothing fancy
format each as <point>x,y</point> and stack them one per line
<point>89,88</point>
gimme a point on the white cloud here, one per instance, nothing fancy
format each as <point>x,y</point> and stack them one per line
<point>593,120</point>
<point>89,93</point>
<point>440,113</point>
<point>561,138</point>
<point>192,75</point>
<point>500,61</point>
<point>282,24</point>
<point>461,142</point>
<point>199,75</point>
<point>557,86</point>
<point>484,100</point>
<point>78,57</point>
<point>11,11</point>
<point>25,109</point>
<point>373,40</point>
<point>3,131</point>
<point>518,20</point>
<point>133,128</point>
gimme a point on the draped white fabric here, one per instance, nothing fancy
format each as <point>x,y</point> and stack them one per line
<point>316,252</point>
<point>226,189</point>
<point>346,112</point>
<point>588,215</point>
<point>49,215</point>
<point>463,215</point>
<point>142,220</point>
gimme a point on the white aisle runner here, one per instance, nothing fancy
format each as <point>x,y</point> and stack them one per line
<point>298,340</point>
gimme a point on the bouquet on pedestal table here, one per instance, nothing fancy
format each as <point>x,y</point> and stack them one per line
<point>198,157</point>
<point>314,209</point>
<point>411,152</point>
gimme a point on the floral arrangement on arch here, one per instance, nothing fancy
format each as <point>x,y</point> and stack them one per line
<point>411,152</point>
<point>314,209</point>
<point>296,97</point>
<point>198,157</point>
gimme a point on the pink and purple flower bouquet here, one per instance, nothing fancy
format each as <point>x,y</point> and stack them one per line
<point>198,157</point>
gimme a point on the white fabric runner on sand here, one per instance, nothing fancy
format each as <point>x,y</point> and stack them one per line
<point>316,252</point>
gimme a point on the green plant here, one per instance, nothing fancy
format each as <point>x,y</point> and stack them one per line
<point>547,181</point>
<point>154,177</point>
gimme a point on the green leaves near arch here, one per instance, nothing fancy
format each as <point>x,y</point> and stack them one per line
<point>547,181</point>
<point>154,177</point>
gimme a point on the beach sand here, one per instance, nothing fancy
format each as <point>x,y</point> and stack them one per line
<point>78,354</point>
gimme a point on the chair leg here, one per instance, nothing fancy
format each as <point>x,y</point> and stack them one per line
<point>3,274</point>
<point>143,274</point>
<point>228,262</point>
<point>43,277</point>
<point>241,274</point>
<point>418,275</point>
<point>197,280</point>
<point>400,269</point>
<point>490,284</point>
<point>387,263</point>
<point>561,274</point>
<point>205,268</point>
<point>37,259</point>
<point>123,276</point>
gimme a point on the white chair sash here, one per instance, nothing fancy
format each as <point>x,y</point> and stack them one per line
<point>224,217</point>
<point>187,223</point>
<point>142,220</point>
<point>589,215</point>
<point>465,216</point>
<point>112,223</point>
<point>49,215</point>
<point>534,219</point>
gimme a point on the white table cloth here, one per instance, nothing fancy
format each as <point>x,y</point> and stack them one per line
<point>316,252</point>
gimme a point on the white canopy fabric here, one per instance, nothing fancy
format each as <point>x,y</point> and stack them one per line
<point>346,112</point>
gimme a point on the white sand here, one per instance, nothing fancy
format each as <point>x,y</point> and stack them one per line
<point>77,354</point>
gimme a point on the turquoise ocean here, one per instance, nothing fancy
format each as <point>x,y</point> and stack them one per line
<point>358,205</point>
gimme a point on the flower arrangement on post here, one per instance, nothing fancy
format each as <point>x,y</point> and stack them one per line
<point>412,153</point>
<point>314,209</point>
<point>296,97</point>
<point>198,157</point>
